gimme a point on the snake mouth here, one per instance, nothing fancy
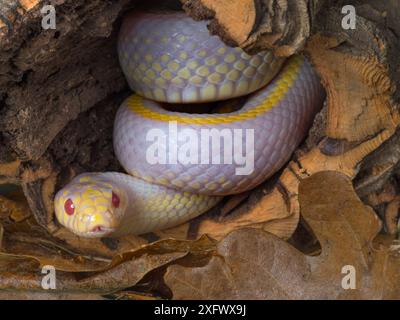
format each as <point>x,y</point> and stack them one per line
<point>99,231</point>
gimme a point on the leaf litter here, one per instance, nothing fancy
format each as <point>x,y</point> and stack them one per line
<point>248,263</point>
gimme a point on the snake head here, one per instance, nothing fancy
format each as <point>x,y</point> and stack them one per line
<point>91,206</point>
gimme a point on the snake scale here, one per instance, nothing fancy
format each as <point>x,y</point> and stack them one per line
<point>170,58</point>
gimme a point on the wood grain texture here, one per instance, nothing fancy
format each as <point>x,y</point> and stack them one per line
<point>236,17</point>
<point>255,25</point>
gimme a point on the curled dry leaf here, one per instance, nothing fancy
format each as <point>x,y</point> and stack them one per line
<point>253,264</point>
<point>123,271</point>
<point>98,266</point>
<point>250,264</point>
<point>23,239</point>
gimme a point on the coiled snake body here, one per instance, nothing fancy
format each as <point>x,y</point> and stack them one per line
<point>181,164</point>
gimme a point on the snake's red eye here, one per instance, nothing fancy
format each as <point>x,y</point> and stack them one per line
<point>69,207</point>
<point>115,200</point>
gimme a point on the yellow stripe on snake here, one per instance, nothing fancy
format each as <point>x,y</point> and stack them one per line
<point>180,164</point>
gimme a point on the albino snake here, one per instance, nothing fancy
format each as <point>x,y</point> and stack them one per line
<point>174,175</point>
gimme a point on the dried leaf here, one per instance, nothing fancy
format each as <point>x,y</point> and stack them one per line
<point>252,264</point>
<point>82,265</point>
<point>125,270</point>
<point>14,207</point>
<point>17,295</point>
